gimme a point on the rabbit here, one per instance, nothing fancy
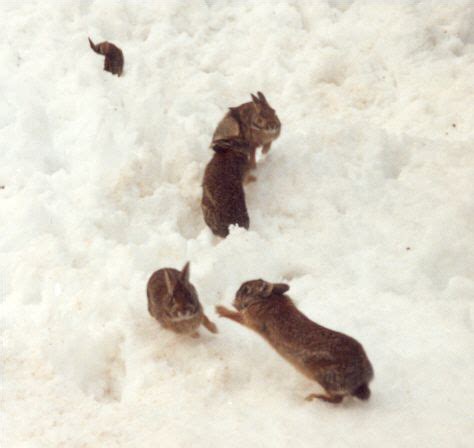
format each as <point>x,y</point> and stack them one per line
<point>223,196</point>
<point>174,303</point>
<point>113,56</point>
<point>336,361</point>
<point>255,121</point>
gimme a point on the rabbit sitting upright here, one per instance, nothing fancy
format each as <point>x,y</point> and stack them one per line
<point>174,303</point>
<point>336,361</point>
<point>223,196</point>
<point>255,121</point>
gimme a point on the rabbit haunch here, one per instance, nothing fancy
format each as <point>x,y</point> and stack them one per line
<point>174,303</point>
<point>255,121</point>
<point>336,361</point>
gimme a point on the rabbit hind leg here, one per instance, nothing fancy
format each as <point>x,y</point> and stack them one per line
<point>253,158</point>
<point>328,398</point>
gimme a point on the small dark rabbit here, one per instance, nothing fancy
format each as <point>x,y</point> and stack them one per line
<point>336,361</point>
<point>255,121</point>
<point>223,196</point>
<point>113,56</point>
<point>174,303</point>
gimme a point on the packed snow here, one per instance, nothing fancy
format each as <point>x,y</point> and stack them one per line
<point>364,206</point>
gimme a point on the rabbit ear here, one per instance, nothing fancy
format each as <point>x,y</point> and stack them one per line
<point>255,99</point>
<point>280,288</point>
<point>266,289</point>
<point>93,46</point>
<point>262,98</point>
<point>169,286</point>
<point>185,272</point>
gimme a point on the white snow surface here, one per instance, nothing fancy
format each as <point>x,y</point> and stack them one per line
<point>364,205</point>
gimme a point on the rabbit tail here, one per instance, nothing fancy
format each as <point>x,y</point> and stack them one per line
<point>362,392</point>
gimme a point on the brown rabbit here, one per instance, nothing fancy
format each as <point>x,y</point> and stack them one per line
<point>336,361</point>
<point>113,56</point>
<point>223,196</point>
<point>256,122</point>
<point>174,303</point>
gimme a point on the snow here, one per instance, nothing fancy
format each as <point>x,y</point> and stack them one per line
<point>364,205</point>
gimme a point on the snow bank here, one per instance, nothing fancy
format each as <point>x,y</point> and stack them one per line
<point>364,206</point>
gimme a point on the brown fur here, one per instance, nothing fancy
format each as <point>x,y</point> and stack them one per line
<point>256,122</point>
<point>223,196</point>
<point>113,56</point>
<point>336,361</point>
<point>172,299</point>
